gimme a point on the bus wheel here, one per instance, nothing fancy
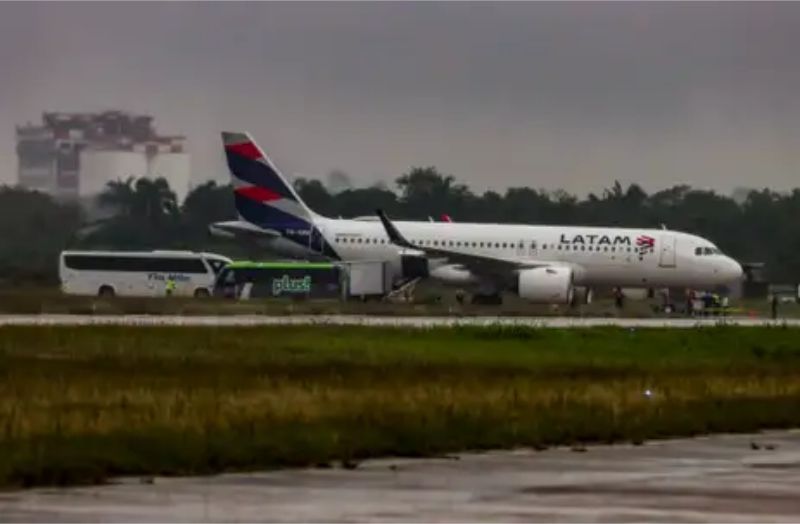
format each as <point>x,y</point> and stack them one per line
<point>201,293</point>
<point>106,292</point>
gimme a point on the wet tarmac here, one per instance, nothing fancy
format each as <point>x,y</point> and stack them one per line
<point>726,478</point>
<point>388,321</point>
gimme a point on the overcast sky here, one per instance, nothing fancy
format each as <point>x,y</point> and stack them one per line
<point>566,95</point>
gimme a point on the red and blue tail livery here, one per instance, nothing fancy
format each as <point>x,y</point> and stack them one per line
<point>263,196</point>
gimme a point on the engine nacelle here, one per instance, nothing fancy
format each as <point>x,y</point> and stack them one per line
<point>453,274</point>
<point>546,285</point>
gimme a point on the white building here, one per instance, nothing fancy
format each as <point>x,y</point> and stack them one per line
<point>74,155</point>
<point>99,167</point>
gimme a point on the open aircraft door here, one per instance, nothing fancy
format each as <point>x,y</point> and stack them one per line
<point>667,253</point>
<point>316,241</point>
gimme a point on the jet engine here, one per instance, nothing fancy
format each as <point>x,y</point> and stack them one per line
<point>547,285</point>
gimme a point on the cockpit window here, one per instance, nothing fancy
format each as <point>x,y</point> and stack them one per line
<point>703,251</point>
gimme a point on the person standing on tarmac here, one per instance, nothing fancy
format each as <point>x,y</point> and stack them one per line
<point>619,298</point>
<point>170,286</point>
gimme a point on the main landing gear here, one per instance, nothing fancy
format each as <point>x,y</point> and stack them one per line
<point>581,296</point>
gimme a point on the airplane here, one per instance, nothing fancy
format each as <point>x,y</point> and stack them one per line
<point>541,264</point>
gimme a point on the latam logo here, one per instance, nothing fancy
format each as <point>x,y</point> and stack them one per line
<point>617,240</point>
<point>645,244</point>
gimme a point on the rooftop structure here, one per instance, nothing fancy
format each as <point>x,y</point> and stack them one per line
<point>74,155</point>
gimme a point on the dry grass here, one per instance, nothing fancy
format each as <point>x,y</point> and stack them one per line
<point>78,404</point>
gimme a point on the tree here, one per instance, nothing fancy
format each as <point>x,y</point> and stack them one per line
<point>426,192</point>
<point>119,196</point>
<point>34,229</point>
<point>761,226</point>
<point>316,195</point>
<point>338,181</point>
<point>204,205</point>
<point>146,216</point>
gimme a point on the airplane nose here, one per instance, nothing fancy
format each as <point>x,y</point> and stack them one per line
<point>728,270</point>
<point>734,270</point>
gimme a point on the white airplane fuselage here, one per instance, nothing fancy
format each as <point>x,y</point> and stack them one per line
<point>540,263</point>
<point>598,256</point>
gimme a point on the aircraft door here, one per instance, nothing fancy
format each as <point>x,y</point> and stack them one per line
<point>667,252</point>
<point>532,248</point>
<point>316,240</point>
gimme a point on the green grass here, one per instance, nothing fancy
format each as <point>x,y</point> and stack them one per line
<point>80,404</point>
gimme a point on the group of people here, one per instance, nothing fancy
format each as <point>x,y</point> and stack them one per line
<point>697,302</point>
<point>705,303</point>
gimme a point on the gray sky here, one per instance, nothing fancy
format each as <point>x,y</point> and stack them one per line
<point>566,95</point>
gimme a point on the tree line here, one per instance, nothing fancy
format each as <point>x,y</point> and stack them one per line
<point>761,226</point>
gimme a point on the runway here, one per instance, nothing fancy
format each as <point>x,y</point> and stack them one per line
<point>727,478</point>
<point>383,321</point>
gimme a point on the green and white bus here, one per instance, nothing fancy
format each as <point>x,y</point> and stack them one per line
<point>246,280</point>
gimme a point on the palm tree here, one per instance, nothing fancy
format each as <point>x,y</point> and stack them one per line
<point>153,199</point>
<point>119,195</point>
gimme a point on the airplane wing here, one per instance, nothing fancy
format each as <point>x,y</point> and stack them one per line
<point>478,264</point>
<point>238,228</point>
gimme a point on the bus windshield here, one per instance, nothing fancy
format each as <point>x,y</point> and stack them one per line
<point>217,264</point>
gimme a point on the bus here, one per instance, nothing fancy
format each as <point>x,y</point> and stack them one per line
<point>289,279</point>
<point>139,273</point>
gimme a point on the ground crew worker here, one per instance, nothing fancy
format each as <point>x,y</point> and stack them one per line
<point>619,298</point>
<point>774,306</point>
<point>170,287</point>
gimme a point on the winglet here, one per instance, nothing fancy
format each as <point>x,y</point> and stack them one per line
<point>391,231</point>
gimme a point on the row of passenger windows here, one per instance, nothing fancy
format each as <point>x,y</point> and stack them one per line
<point>702,251</point>
<point>137,264</point>
<point>489,245</point>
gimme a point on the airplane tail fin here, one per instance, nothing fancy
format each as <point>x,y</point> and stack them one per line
<point>262,195</point>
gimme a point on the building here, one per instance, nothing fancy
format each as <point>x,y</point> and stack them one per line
<point>74,155</point>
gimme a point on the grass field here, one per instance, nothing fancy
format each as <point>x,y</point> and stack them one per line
<point>80,404</point>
